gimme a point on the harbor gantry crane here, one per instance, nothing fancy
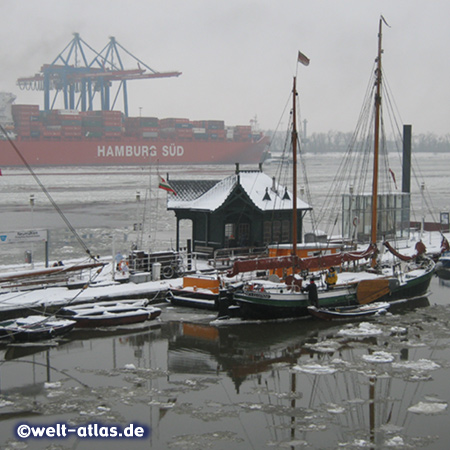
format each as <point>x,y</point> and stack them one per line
<point>80,79</point>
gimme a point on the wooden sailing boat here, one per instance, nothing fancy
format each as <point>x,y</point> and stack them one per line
<point>268,300</point>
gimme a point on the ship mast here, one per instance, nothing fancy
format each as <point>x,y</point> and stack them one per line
<point>294,173</point>
<point>376,145</point>
<point>376,140</point>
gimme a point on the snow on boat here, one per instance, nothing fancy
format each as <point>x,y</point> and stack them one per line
<point>349,312</point>
<point>34,328</point>
<point>112,313</point>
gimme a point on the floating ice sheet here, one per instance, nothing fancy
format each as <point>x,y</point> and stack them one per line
<point>428,408</point>
<point>315,369</point>
<point>363,329</point>
<point>379,357</point>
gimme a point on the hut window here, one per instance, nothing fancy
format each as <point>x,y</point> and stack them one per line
<point>267,232</point>
<point>276,231</point>
<point>230,234</point>
<point>285,231</point>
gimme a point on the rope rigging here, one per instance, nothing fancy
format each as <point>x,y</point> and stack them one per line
<point>45,191</point>
<point>353,174</point>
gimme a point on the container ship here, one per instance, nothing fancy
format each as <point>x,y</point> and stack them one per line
<point>72,137</point>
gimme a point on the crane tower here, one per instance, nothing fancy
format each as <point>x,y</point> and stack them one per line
<point>80,74</point>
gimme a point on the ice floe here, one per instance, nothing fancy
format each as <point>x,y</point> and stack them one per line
<point>363,329</point>
<point>396,441</point>
<point>315,369</point>
<point>54,385</point>
<point>428,408</point>
<point>420,365</point>
<point>379,357</point>
<point>4,403</point>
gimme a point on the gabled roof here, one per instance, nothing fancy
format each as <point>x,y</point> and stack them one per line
<point>190,190</point>
<point>205,195</point>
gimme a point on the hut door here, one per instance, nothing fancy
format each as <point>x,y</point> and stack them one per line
<point>230,235</point>
<point>243,235</point>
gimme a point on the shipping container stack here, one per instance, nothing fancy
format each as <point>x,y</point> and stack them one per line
<point>242,133</point>
<point>26,120</point>
<point>70,121</point>
<point>142,127</point>
<point>171,128</point>
<point>31,123</point>
<point>102,124</point>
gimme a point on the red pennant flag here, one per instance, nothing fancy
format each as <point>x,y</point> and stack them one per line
<point>303,59</point>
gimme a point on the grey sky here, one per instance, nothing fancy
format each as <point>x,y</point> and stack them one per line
<point>238,57</point>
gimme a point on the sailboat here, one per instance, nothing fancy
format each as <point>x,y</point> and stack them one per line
<point>379,282</point>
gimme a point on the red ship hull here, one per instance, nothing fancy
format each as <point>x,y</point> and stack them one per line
<point>129,151</point>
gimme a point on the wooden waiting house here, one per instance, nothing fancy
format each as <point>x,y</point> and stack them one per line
<point>246,209</point>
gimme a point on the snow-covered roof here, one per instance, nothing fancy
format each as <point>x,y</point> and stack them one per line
<point>263,191</point>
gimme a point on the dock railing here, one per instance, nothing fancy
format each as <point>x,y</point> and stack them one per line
<point>224,257</point>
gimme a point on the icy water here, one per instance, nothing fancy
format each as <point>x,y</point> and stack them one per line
<point>196,383</point>
<point>101,203</point>
<point>193,382</point>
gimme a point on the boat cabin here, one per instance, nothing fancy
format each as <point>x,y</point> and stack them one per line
<point>246,209</point>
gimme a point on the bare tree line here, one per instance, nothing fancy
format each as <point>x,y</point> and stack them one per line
<point>337,141</point>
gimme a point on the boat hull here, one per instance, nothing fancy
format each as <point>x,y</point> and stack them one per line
<point>414,287</point>
<point>287,304</point>
<point>443,268</point>
<point>110,313</point>
<point>132,151</point>
<point>110,321</point>
<point>271,305</point>
<point>349,312</point>
<point>34,329</point>
<point>200,300</point>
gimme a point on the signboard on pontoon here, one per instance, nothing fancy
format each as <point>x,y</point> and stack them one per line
<point>23,236</point>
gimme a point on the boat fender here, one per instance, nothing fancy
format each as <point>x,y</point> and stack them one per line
<point>394,283</point>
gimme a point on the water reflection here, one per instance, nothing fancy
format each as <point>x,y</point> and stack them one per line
<point>198,382</point>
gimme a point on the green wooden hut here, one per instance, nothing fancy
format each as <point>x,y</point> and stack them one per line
<point>246,209</point>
